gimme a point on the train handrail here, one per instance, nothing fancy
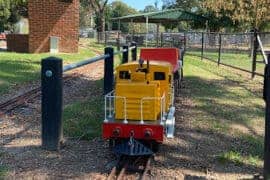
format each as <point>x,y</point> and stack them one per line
<point>162,106</point>
<point>116,97</point>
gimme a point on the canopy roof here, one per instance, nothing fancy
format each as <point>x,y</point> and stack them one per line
<point>170,16</point>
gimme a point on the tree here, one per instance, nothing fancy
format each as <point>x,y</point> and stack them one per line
<point>10,12</point>
<point>253,12</point>
<point>98,6</point>
<point>119,9</point>
<point>150,8</point>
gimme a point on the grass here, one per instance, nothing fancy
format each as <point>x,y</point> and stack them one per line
<point>18,68</point>
<point>3,169</point>
<point>229,104</point>
<point>83,119</point>
<point>240,60</point>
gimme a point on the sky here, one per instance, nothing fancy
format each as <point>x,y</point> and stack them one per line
<point>140,4</point>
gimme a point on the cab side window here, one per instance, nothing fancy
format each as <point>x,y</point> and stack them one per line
<point>124,75</point>
<point>159,76</point>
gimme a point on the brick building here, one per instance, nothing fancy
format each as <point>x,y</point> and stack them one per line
<point>51,23</point>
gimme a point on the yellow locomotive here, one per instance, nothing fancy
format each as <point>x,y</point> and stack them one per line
<point>147,88</point>
<point>141,106</point>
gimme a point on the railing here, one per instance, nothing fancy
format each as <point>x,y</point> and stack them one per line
<point>111,97</point>
<point>109,108</point>
<point>52,90</point>
<point>162,106</point>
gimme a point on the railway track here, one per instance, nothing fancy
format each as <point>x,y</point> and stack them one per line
<point>127,166</point>
<point>22,99</point>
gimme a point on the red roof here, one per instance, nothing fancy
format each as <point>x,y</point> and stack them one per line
<point>170,55</point>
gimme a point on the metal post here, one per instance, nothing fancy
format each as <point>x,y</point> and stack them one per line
<point>185,41</point>
<point>157,38</point>
<point>254,53</point>
<point>108,70</point>
<point>266,93</point>
<point>202,46</point>
<point>52,96</point>
<point>118,41</point>
<point>105,40</point>
<point>125,55</point>
<point>147,30</point>
<point>134,51</point>
<point>219,48</point>
<point>161,37</point>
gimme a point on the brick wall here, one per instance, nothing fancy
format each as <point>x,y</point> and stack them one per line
<point>17,43</point>
<point>53,18</point>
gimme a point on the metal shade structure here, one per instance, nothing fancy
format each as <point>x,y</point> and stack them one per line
<point>168,16</point>
<point>165,16</point>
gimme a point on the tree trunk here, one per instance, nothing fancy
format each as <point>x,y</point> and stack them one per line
<point>100,26</point>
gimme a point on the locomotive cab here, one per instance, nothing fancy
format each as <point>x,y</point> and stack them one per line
<point>147,88</point>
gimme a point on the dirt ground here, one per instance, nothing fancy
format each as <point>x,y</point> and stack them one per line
<point>190,155</point>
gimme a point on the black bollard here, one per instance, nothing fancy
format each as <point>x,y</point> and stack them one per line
<point>125,55</point>
<point>52,96</point>
<point>134,51</point>
<point>108,70</point>
<point>266,95</point>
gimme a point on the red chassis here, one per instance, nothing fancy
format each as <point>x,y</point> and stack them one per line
<point>139,131</point>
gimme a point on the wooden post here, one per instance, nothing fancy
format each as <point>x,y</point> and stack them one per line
<point>134,51</point>
<point>125,55</point>
<point>108,70</point>
<point>266,95</point>
<point>51,106</point>
<point>254,53</point>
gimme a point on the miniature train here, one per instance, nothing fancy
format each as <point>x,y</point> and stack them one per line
<point>140,109</point>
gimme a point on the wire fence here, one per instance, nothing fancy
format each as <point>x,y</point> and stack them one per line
<point>230,49</point>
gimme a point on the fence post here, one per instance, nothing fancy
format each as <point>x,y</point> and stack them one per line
<point>254,53</point>
<point>125,55</point>
<point>202,46</point>
<point>52,96</point>
<point>185,41</point>
<point>266,95</point>
<point>108,70</point>
<point>161,39</point>
<point>118,41</point>
<point>219,48</point>
<point>134,51</point>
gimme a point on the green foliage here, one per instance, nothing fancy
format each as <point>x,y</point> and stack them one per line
<point>10,12</point>
<point>118,9</point>
<point>253,12</point>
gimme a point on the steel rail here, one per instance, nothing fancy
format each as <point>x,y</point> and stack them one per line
<point>92,60</point>
<point>84,62</point>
